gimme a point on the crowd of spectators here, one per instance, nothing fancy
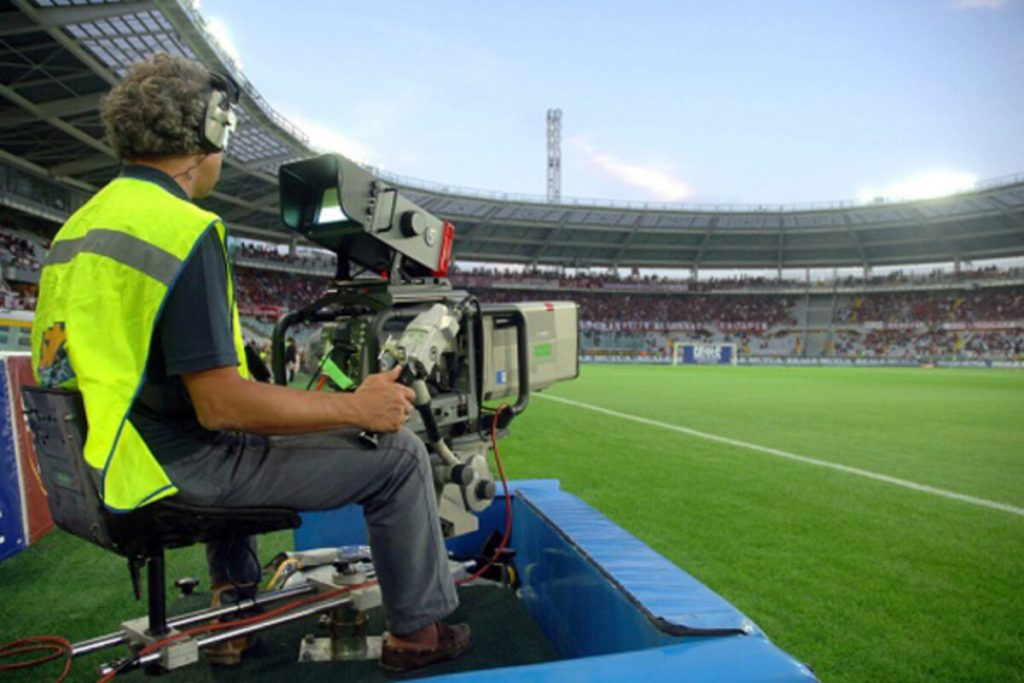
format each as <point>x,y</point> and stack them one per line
<point>610,311</point>
<point>934,277</point>
<point>911,344</point>
<point>905,343</point>
<point>492,277</point>
<point>266,292</point>
<point>17,251</point>
<point>19,299</point>
<point>623,312</point>
<point>271,254</point>
<point>585,279</point>
<point>934,308</point>
<point>994,343</point>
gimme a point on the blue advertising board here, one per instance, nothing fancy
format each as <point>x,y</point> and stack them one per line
<point>12,525</point>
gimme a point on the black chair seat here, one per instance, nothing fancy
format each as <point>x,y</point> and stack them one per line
<point>171,524</point>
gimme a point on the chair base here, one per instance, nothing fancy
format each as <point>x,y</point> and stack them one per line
<point>182,651</point>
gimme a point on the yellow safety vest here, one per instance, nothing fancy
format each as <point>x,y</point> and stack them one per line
<point>101,291</point>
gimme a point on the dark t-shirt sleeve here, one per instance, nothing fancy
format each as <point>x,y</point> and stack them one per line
<point>193,333</point>
<point>195,326</point>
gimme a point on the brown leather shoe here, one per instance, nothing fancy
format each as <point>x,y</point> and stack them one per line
<point>452,642</point>
<point>227,652</point>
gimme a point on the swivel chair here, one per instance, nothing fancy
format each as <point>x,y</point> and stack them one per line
<point>58,423</point>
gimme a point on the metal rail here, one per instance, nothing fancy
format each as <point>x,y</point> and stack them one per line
<point>230,634</point>
<point>184,620</point>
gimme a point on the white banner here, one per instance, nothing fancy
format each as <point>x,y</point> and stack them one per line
<point>675,326</point>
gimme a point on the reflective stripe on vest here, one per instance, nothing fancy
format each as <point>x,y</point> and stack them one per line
<point>101,290</point>
<point>127,249</point>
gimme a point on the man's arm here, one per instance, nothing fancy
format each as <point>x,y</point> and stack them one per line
<point>224,401</point>
<point>198,345</point>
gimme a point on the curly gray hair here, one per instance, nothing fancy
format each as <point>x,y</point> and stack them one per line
<point>155,111</point>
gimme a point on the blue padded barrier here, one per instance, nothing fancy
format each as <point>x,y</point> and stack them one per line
<point>614,608</point>
<point>716,660</point>
<point>331,529</point>
<point>673,601</point>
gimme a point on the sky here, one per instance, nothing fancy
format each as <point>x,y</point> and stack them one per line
<point>693,102</point>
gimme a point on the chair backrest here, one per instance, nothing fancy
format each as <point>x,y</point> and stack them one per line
<point>57,420</point>
<point>58,423</point>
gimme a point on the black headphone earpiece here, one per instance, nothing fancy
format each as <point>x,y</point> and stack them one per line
<point>220,119</point>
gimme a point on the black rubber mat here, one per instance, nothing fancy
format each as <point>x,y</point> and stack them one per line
<point>504,635</point>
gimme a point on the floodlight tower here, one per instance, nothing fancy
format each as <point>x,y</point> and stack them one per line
<point>554,155</point>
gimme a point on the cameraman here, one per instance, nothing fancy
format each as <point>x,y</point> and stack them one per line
<point>137,311</point>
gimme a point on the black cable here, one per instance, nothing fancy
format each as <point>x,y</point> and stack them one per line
<point>316,373</point>
<point>240,588</point>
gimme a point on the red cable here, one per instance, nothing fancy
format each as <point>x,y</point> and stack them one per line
<point>225,625</point>
<point>508,503</point>
<point>55,645</point>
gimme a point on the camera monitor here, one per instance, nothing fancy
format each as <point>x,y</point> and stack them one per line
<point>335,203</point>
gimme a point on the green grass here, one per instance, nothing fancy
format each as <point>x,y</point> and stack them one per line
<point>863,580</point>
<point>63,586</point>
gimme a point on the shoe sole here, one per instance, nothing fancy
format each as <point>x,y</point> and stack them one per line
<point>399,672</point>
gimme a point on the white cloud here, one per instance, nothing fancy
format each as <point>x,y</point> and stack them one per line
<point>980,4</point>
<point>219,30</point>
<point>327,139</point>
<point>924,185</point>
<point>657,181</point>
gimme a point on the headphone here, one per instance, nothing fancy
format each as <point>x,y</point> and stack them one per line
<point>220,120</point>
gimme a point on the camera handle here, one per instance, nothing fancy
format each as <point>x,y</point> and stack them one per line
<point>507,316</point>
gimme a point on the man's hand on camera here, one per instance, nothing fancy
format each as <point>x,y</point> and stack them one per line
<point>383,404</point>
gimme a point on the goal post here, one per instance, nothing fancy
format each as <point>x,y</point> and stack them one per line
<point>704,353</point>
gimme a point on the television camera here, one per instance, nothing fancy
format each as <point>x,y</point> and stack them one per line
<point>391,303</point>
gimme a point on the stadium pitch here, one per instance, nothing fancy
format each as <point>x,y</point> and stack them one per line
<point>863,579</point>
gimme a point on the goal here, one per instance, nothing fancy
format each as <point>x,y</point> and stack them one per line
<point>703,353</point>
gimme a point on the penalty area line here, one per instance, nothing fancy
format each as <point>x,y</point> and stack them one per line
<point>913,486</point>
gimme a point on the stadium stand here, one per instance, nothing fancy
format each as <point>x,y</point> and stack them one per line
<point>268,294</point>
<point>972,314</point>
<point>554,278</point>
<point>53,157</point>
<point>969,314</point>
<point>248,251</point>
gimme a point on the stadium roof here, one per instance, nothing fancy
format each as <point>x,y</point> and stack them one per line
<point>60,56</point>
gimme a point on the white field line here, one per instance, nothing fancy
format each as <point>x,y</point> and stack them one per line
<point>952,495</point>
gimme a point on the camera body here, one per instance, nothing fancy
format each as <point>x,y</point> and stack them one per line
<point>391,303</point>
